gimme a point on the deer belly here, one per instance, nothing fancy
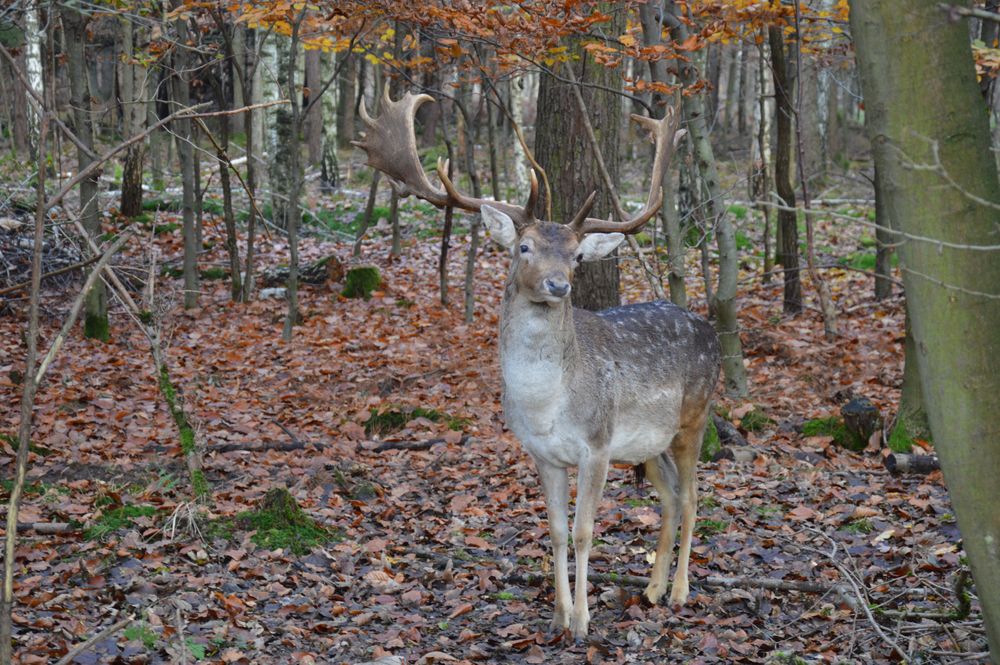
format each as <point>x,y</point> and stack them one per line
<point>636,438</point>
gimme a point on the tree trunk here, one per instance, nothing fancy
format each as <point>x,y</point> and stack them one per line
<point>182,97</point>
<point>571,166</point>
<point>883,241</point>
<point>788,248</point>
<point>289,123</point>
<point>727,323</point>
<point>33,65</point>
<point>345,105</point>
<point>95,322</point>
<point>251,123</point>
<point>922,94</point>
<point>131,83</point>
<point>649,15</point>
<point>314,119</point>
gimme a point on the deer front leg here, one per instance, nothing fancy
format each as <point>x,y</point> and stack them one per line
<point>556,489</point>
<point>589,486</point>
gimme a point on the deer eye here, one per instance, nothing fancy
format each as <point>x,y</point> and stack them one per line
<point>579,258</point>
<point>525,249</point>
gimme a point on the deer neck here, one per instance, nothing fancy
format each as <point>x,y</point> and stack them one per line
<point>538,347</point>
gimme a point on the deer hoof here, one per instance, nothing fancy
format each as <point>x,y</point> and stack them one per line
<point>679,594</point>
<point>654,592</point>
<point>580,625</point>
<point>560,621</point>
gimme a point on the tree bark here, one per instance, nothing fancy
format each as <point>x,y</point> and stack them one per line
<point>571,166</point>
<point>345,106</point>
<point>883,241</point>
<point>923,106</point>
<point>95,321</point>
<point>727,322</point>
<point>314,119</point>
<point>788,248</point>
<point>182,97</point>
<point>649,16</point>
<point>130,204</point>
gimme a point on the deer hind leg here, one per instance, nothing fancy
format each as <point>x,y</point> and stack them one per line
<point>556,489</point>
<point>662,473</point>
<point>589,486</point>
<point>686,449</point>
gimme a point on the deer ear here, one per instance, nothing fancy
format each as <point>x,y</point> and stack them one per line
<point>598,245</point>
<point>500,226</point>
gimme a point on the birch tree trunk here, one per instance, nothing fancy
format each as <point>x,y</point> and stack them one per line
<point>923,106</point>
<point>131,91</point>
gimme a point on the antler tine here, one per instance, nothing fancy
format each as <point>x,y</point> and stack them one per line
<point>665,134</point>
<point>529,207</point>
<point>520,216</point>
<point>391,146</point>
<point>581,216</point>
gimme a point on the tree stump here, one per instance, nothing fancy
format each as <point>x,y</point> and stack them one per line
<point>862,419</point>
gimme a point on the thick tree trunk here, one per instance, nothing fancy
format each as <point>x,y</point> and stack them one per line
<point>95,322</point>
<point>251,123</point>
<point>788,248</point>
<point>923,105</point>
<point>571,166</point>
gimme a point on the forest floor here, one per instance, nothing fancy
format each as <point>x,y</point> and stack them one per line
<point>428,554</point>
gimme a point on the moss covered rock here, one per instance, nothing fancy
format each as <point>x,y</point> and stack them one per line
<point>361,281</point>
<point>710,444</point>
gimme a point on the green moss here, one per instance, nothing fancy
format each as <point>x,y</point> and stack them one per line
<point>860,526</point>
<point>904,433</point>
<point>833,426</point>
<point>281,524</point>
<point>743,242</point>
<point>142,632</point>
<point>361,281</point>
<point>867,242</point>
<point>738,211</point>
<point>146,317</point>
<point>710,443</point>
<point>213,207</point>
<point>755,420</point>
<point>143,218</point>
<point>391,420</point>
<point>644,239</point>
<point>167,205</point>
<point>187,440</point>
<point>214,273</point>
<point>199,484</point>
<point>96,327</point>
<point>163,229</point>
<point>710,527</point>
<point>117,518</point>
<point>864,261</point>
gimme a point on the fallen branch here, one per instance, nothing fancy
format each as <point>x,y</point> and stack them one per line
<point>718,581</point>
<point>83,646</point>
<point>413,445</point>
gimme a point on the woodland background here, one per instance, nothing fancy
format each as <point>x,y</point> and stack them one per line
<point>259,409</point>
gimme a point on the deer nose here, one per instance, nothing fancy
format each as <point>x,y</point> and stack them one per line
<point>557,287</point>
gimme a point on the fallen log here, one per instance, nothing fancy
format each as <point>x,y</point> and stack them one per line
<point>902,463</point>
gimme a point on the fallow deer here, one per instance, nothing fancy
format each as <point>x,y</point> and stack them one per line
<point>630,384</point>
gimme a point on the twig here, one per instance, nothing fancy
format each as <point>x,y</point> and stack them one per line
<point>955,11</point>
<point>83,646</point>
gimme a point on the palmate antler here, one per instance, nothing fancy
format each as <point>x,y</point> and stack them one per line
<point>666,136</point>
<point>391,146</point>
